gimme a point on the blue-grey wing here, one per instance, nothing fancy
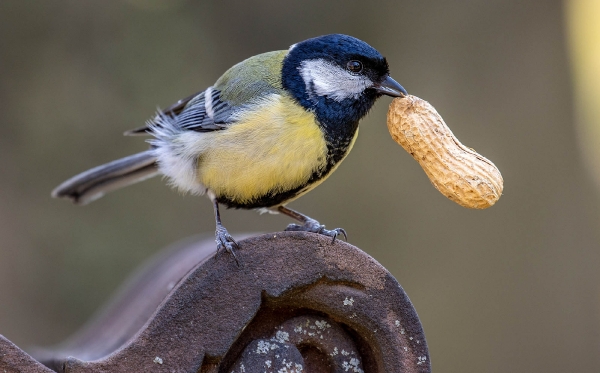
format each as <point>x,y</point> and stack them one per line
<point>200,112</point>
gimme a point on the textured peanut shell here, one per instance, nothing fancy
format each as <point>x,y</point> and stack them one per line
<point>458,172</point>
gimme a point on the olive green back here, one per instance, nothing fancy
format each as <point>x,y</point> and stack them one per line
<point>253,78</point>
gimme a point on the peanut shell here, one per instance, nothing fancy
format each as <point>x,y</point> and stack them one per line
<point>458,172</point>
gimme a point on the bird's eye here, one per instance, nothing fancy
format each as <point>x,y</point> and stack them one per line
<point>354,66</point>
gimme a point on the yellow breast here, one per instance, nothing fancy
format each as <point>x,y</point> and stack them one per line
<point>271,150</point>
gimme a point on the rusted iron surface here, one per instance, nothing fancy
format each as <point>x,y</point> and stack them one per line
<point>15,360</point>
<point>133,305</point>
<point>321,307</point>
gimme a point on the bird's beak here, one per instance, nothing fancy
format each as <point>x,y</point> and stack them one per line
<point>390,87</point>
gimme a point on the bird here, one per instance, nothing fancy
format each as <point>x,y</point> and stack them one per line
<point>269,130</point>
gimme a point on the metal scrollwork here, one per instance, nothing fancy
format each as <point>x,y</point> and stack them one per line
<point>297,303</point>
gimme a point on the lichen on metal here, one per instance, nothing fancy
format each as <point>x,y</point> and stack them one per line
<point>297,303</point>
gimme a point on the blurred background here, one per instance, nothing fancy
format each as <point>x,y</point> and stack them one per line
<point>513,288</point>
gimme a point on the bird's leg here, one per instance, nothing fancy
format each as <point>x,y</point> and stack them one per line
<point>309,224</point>
<point>222,237</point>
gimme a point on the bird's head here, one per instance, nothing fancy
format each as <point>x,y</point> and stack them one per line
<point>338,77</point>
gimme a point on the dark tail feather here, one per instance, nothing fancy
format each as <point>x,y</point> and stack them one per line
<point>93,184</point>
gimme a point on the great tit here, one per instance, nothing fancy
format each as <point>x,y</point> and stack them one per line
<point>269,130</point>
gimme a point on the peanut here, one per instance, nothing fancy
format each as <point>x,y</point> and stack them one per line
<point>458,172</point>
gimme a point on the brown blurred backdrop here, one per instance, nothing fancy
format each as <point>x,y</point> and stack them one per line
<point>515,288</point>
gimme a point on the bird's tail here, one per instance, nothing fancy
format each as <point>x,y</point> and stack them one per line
<point>93,184</point>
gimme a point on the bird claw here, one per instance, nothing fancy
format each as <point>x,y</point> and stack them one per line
<point>337,232</point>
<point>226,243</point>
<point>313,226</point>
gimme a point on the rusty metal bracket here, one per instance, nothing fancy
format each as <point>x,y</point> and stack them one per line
<point>297,303</point>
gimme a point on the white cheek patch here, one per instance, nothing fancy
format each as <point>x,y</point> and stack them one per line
<point>323,78</point>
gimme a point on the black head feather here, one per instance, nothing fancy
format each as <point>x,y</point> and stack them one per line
<point>338,115</point>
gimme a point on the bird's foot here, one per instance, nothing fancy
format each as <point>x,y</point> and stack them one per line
<point>314,226</point>
<point>225,242</point>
